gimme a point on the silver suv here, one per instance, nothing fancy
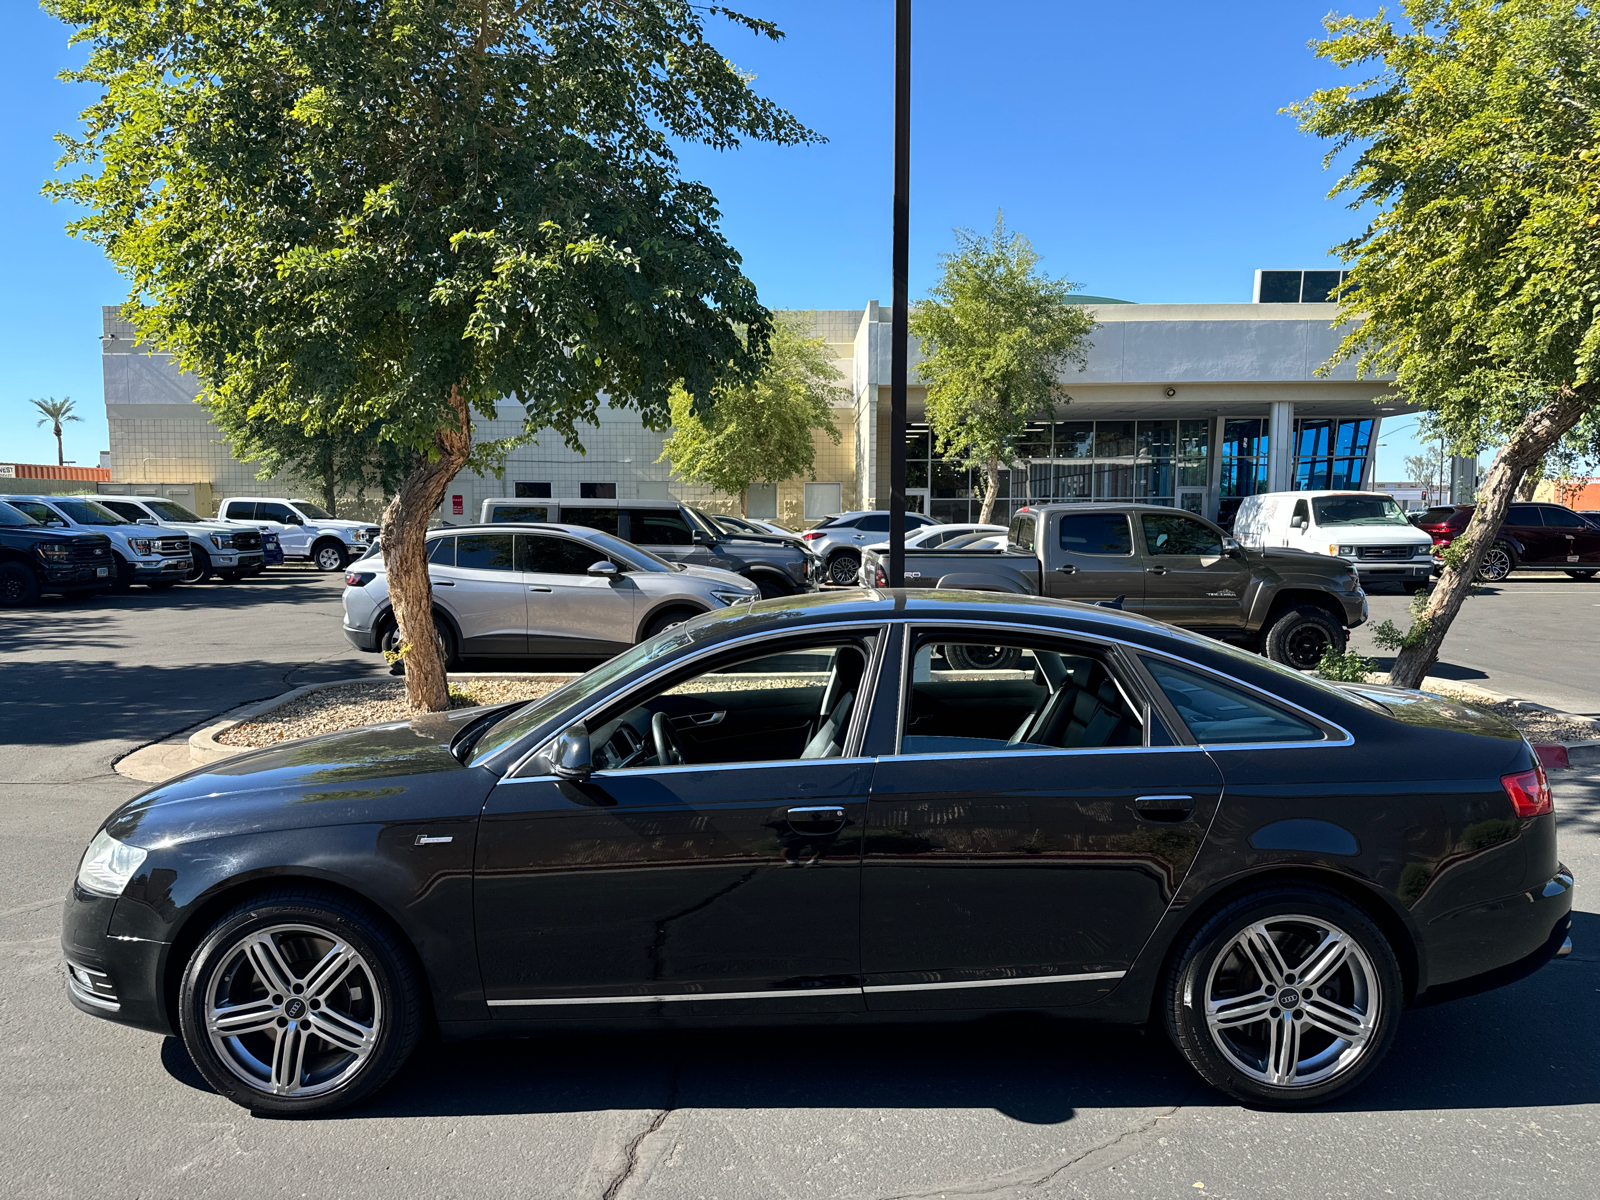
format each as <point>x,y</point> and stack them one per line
<point>547,591</point>
<point>839,540</point>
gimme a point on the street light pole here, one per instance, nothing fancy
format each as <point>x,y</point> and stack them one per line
<point>898,329</point>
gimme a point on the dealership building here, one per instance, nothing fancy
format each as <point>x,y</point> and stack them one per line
<point>1192,405</point>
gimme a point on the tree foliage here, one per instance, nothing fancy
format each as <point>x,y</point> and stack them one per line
<point>55,412</point>
<point>996,334</point>
<point>396,212</point>
<point>341,466</point>
<point>1471,135</point>
<point>758,430</point>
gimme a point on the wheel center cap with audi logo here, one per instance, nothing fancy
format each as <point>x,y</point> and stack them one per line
<point>1288,998</point>
<point>295,1009</point>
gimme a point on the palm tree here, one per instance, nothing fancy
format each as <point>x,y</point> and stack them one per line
<point>56,411</point>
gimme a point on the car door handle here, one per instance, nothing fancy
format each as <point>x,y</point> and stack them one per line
<point>537,587</point>
<point>1164,808</point>
<point>1155,570</point>
<point>1067,569</point>
<point>442,582</point>
<point>823,815</point>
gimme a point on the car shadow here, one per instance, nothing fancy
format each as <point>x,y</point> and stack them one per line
<point>1518,1047</point>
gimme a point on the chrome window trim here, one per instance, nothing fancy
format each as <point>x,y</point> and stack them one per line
<point>637,772</point>
<point>879,629</point>
<point>1025,981</point>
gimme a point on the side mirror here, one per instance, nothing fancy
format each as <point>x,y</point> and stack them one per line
<point>701,538</point>
<point>146,521</point>
<point>571,758</point>
<point>1230,547</point>
<point>295,519</point>
<point>604,569</point>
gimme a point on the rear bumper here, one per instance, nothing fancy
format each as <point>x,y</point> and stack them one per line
<point>362,639</point>
<point>1498,943</point>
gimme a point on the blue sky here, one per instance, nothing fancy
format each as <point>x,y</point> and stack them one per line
<point>1139,146</point>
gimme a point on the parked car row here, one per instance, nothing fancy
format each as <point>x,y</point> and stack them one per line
<point>1541,536</point>
<point>158,543</point>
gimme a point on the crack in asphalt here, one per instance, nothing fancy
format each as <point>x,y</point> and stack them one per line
<point>631,1156</point>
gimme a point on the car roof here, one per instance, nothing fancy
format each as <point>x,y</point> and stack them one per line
<point>513,526</point>
<point>579,502</point>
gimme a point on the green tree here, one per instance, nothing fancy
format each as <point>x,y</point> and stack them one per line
<point>758,430</point>
<point>340,465</point>
<point>996,335</point>
<point>1430,468</point>
<point>399,212</point>
<point>55,412</point>
<point>1472,132</point>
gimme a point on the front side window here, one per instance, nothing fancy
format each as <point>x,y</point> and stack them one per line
<point>41,513</point>
<point>168,510</point>
<point>545,555</point>
<point>972,698</point>
<point>1563,518</point>
<point>127,510</point>
<point>659,527</point>
<point>275,512</point>
<point>1095,533</point>
<point>1169,533</point>
<point>1358,510</point>
<point>795,705</point>
<point>13,517</point>
<point>1217,713</point>
<point>89,512</point>
<point>485,551</point>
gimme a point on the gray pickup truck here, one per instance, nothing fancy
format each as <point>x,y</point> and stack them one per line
<point>1169,565</point>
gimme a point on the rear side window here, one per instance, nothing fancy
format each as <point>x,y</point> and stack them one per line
<point>241,510</point>
<point>877,523</point>
<point>443,552</point>
<point>521,512</point>
<point>484,551</point>
<point>1022,531</point>
<point>1524,514</point>
<point>1096,533</point>
<point>545,555</point>
<point>603,519</point>
<point>1217,714</point>
<point>659,527</point>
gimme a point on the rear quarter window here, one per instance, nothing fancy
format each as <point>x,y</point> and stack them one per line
<point>1022,532</point>
<point>1217,713</point>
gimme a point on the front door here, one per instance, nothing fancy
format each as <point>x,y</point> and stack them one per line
<point>482,589</point>
<point>1188,578</point>
<point>1029,834</point>
<point>711,863</point>
<point>1090,556</point>
<point>666,532</point>
<point>291,530</point>
<point>569,610</point>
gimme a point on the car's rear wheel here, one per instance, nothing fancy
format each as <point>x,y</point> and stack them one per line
<point>1499,560</point>
<point>1285,998</point>
<point>389,643</point>
<point>199,566</point>
<point>299,1002</point>
<point>843,568</point>
<point>1585,576</point>
<point>1301,635</point>
<point>19,586</point>
<point>982,658</point>
<point>329,556</point>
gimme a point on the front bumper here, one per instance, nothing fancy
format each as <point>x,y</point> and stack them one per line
<point>73,576</point>
<point>272,556</point>
<point>240,561</point>
<point>118,978</point>
<point>1416,568</point>
<point>162,568</point>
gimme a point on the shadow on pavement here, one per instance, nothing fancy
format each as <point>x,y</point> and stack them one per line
<point>1514,1048</point>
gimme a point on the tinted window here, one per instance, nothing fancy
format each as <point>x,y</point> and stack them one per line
<point>242,510</point>
<point>484,551</point>
<point>838,523</point>
<point>531,491</point>
<point>87,512</point>
<point>1524,514</point>
<point>314,512</point>
<point>167,510</point>
<point>1561,518</point>
<point>1096,533</point>
<point>42,513</point>
<point>603,519</point>
<point>1173,534</point>
<point>1436,516</point>
<point>877,523</point>
<point>520,512</point>
<point>12,516</point>
<point>123,508</point>
<point>554,555</point>
<point>272,512</point>
<point>1022,531</point>
<point>659,527</point>
<point>1215,712</point>
<point>443,552</point>
<point>597,491</point>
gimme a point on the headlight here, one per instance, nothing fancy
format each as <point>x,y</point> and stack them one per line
<point>1346,551</point>
<point>140,545</point>
<point>269,539</point>
<point>55,552</point>
<point>734,597</point>
<point>222,541</point>
<point>108,865</point>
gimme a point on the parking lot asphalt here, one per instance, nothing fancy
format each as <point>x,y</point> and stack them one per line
<point>1496,1095</point>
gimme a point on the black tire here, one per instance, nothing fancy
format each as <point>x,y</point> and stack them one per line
<point>844,568</point>
<point>1300,635</point>
<point>303,924</point>
<point>771,589</point>
<point>390,642</point>
<point>1499,560</point>
<point>982,658</point>
<point>124,580</point>
<point>200,566</point>
<point>665,620</point>
<point>19,586</point>
<point>1362,996</point>
<point>1582,576</point>
<point>1414,586</point>
<point>328,555</point>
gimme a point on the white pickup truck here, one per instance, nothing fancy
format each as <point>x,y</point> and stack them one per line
<point>307,532</point>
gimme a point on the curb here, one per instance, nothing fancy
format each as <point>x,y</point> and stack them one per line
<point>204,748</point>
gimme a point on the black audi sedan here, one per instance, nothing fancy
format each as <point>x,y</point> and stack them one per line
<point>862,805</point>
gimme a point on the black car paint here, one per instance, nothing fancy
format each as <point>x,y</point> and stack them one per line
<point>89,570</point>
<point>1463,887</point>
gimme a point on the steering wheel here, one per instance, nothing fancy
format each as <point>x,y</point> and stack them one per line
<point>669,752</point>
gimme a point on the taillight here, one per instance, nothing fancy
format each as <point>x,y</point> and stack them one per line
<point>880,577</point>
<point>812,535</point>
<point>1529,792</point>
<point>358,578</point>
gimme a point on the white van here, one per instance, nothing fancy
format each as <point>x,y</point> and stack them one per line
<point>1368,528</point>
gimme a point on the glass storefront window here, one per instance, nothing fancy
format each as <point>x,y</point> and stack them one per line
<point>1113,439</point>
<point>1331,454</point>
<point>1074,439</point>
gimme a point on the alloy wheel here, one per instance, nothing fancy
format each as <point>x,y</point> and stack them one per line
<point>292,1010</point>
<point>1293,1001</point>
<point>844,569</point>
<point>1496,564</point>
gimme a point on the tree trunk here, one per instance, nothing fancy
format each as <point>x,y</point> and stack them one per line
<point>61,449</point>
<point>744,501</point>
<point>991,485</point>
<point>404,528</point>
<point>330,489</point>
<point>1539,431</point>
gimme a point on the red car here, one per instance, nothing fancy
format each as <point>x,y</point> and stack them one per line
<point>1537,536</point>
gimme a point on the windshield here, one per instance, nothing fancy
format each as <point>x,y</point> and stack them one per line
<point>707,525</point>
<point>88,512</point>
<point>168,511</point>
<point>12,516</point>
<point>626,552</point>
<point>315,512</point>
<point>1358,510</point>
<point>535,713</point>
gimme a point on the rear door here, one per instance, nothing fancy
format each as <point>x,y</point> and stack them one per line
<point>486,594</point>
<point>1188,579</point>
<point>1091,556</point>
<point>1571,538</point>
<point>666,532</point>
<point>569,610</point>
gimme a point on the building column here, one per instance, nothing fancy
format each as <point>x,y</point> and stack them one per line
<point>1463,479</point>
<point>1280,447</point>
<point>1214,472</point>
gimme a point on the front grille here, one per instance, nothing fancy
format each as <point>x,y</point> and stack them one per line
<point>172,547</point>
<point>97,554</point>
<point>1384,552</point>
<point>92,987</point>
<point>246,539</point>
<point>370,533</point>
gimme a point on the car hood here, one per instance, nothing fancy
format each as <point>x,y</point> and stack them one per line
<point>337,778</point>
<point>718,575</point>
<point>1303,562</point>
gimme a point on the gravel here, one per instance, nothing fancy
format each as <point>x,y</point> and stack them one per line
<point>350,706</point>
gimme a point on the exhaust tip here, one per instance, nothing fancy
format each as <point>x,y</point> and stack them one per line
<point>1566,949</point>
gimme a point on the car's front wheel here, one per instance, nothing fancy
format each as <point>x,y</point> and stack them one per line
<point>1285,998</point>
<point>329,556</point>
<point>199,566</point>
<point>299,1002</point>
<point>1302,635</point>
<point>19,586</point>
